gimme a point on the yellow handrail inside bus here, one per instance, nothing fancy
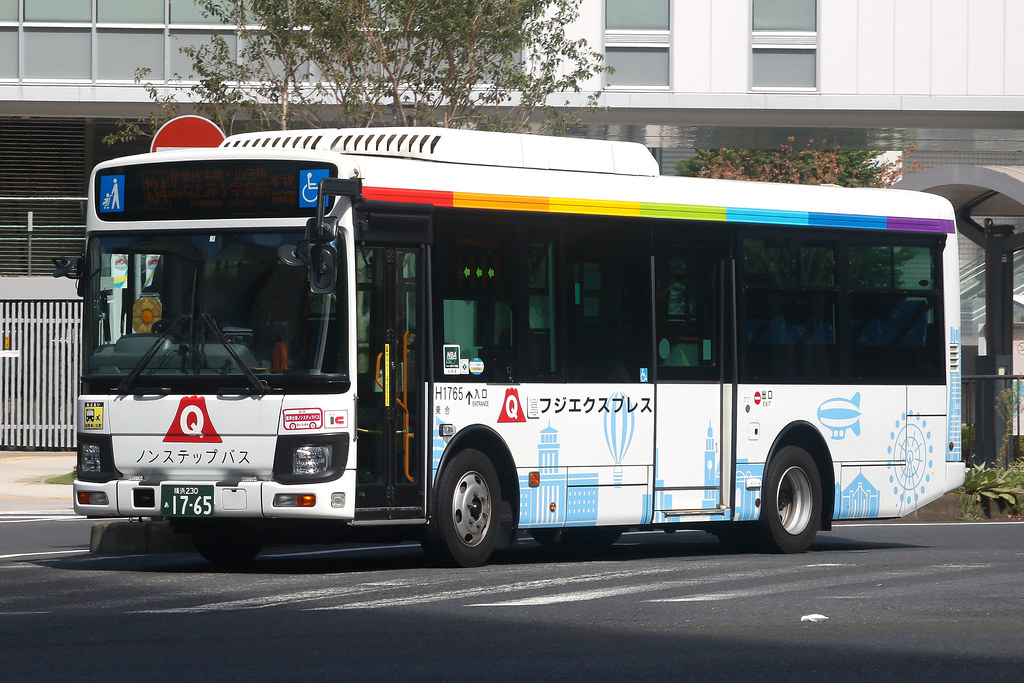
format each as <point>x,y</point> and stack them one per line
<point>403,403</point>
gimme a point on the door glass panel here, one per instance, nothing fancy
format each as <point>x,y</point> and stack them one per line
<point>687,315</point>
<point>390,468</point>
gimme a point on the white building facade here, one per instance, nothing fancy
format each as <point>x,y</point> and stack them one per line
<point>863,74</point>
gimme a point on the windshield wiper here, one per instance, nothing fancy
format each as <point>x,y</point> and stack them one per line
<point>258,386</point>
<point>126,384</point>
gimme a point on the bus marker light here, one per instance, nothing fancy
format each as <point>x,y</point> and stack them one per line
<point>553,507</point>
<point>294,500</point>
<point>92,498</point>
<point>337,500</point>
<point>534,479</point>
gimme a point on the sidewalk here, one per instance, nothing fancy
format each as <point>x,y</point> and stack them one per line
<point>23,476</point>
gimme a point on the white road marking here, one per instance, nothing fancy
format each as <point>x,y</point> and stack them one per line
<point>41,554</point>
<point>62,518</point>
<point>265,601</point>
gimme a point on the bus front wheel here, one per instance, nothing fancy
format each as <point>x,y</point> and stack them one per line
<point>790,501</point>
<point>466,524</point>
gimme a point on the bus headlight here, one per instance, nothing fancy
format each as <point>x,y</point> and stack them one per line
<point>311,459</point>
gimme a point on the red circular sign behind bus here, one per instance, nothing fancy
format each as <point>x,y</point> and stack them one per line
<point>187,131</point>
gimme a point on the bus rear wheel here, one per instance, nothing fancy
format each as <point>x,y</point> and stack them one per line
<point>466,523</point>
<point>790,501</point>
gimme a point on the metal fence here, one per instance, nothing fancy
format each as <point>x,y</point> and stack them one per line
<point>993,419</point>
<point>40,362</point>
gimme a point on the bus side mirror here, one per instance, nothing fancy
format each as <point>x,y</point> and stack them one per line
<point>322,230</point>
<point>323,268</point>
<point>68,267</point>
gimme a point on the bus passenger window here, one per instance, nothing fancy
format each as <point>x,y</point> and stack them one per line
<point>608,308</point>
<point>477,293</point>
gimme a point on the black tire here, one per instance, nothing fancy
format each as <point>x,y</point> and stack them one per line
<point>790,501</point>
<point>466,521</point>
<point>226,541</point>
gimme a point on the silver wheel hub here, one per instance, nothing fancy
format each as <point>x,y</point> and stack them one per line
<point>794,498</point>
<point>471,508</point>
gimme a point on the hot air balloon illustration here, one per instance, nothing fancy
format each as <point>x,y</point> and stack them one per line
<point>618,431</point>
<point>840,415</point>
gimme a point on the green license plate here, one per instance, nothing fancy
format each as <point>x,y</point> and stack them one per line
<point>182,500</point>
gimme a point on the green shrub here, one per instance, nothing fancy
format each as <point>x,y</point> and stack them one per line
<point>981,483</point>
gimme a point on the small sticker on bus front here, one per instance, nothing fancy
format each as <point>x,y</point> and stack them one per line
<point>303,418</point>
<point>93,416</point>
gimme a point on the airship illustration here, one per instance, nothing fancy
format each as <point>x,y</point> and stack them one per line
<point>840,414</point>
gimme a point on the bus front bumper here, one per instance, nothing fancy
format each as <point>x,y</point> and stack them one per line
<point>243,499</point>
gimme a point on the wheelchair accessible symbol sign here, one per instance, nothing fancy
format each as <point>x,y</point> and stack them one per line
<point>309,185</point>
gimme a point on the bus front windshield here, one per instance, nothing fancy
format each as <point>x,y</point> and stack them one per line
<point>207,310</point>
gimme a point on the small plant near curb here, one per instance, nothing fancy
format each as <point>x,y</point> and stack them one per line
<point>985,487</point>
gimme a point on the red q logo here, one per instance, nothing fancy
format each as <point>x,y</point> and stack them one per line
<point>192,424</point>
<point>511,407</point>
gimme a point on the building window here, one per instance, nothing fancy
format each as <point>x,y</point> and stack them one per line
<point>8,10</point>
<point>58,10</point>
<point>58,53</point>
<point>135,12</point>
<point>636,42</point>
<point>146,49</point>
<point>784,44</point>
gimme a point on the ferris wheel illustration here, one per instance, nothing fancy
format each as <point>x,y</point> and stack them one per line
<point>910,444</point>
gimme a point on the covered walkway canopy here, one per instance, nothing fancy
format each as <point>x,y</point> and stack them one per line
<point>990,193</point>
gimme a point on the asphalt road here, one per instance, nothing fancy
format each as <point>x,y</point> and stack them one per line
<point>904,601</point>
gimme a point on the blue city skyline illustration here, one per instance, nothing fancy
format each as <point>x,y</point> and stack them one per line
<point>955,397</point>
<point>575,495</point>
<point>859,500</point>
<point>712,473</point>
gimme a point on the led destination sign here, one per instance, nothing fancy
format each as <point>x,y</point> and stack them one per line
<point>209,189</point>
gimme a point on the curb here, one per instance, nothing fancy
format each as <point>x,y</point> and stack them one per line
<point>137,537</point>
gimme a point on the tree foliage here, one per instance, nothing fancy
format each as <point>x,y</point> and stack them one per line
<point>492,64</point>
<point>808,166</point>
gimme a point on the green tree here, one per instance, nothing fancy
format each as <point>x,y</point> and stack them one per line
<point>808,166</point>
<point>493,64</point>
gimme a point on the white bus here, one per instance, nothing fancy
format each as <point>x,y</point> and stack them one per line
<point>461,336</point>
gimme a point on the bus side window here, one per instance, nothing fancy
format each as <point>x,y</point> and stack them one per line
<point>477,280</point>
<point>608,307</point>
<point>541,336</point>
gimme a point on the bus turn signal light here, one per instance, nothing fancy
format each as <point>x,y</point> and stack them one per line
<point>92,498</point>
<point>294,500</point>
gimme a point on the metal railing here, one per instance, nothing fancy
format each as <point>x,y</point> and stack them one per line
<point>993,419</point>
<point>40,362</point>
